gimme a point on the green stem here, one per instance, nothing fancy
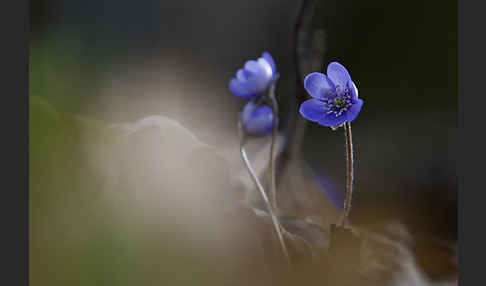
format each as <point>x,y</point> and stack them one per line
<point>349,172</point>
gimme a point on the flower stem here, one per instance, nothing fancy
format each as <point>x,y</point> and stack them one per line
<point>349,172</point>
<point>275,222</point>
<point>271,161</point>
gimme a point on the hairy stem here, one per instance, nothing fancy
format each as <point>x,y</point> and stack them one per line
<point>275,222</point>
<point>349,173</point>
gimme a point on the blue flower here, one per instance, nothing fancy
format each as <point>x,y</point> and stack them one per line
<point>254,77</point>
<point>257,120</point>
<point>335,97</point>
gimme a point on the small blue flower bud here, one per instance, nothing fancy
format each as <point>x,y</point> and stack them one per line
<point>257,120</point>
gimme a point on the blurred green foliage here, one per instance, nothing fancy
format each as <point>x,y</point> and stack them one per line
<point>61,70</point>
<point>69,232</point>
<point>77,236</point>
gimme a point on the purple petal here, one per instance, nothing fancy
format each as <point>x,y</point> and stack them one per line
<point>238,89</point>
<point>242,75</point>
<point>252,66</point>
<point>261,75</point>
<point>318,85</point>
<point>354,110</point>
<point>353,90</point>
<point>266,56</point>
<point>257,120</point>
<point>331,120</point>
<point>312,109</point>
<point>338,74</point>
<point>259,67</point>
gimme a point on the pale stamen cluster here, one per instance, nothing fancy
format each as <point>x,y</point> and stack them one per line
<point>337,104</point>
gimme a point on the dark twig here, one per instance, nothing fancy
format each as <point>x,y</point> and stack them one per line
<point>301,44</point>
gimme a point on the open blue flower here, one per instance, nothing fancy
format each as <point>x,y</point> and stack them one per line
<point>254,77</point>
<point>335,97</point>
<point>257,120</point>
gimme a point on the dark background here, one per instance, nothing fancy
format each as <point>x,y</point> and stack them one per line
<point>402,54</point>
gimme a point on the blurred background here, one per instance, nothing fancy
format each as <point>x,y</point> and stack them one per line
<point>115,203</point>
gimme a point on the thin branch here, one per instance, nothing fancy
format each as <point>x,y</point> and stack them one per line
<point>260,188</point>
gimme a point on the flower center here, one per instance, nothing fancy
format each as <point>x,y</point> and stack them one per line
<point>339,104</point>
